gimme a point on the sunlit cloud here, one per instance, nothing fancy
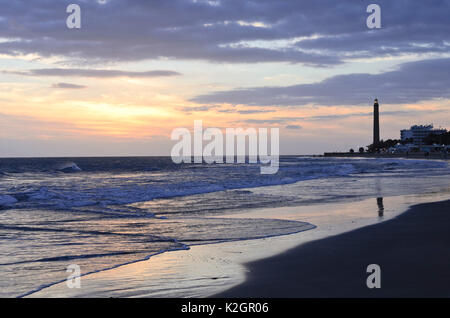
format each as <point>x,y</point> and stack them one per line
<point>310,71</point>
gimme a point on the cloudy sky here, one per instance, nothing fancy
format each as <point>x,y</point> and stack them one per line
<point>138,69</point>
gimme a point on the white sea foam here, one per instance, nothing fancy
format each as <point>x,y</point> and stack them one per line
<point>103,189</point>
<point>123,209</point>
<point>69,167</point>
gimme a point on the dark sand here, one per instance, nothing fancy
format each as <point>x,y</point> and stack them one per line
<point>413,251</point>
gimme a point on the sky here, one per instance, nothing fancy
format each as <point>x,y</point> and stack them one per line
<point>136,70</point>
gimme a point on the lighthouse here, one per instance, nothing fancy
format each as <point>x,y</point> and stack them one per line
<point>376,124</point>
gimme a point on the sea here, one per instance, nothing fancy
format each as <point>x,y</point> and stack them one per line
<point>102,213</point>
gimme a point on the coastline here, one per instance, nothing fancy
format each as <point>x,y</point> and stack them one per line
<point>336,266</point>
<point>206,270</point>
<point>431,156</point>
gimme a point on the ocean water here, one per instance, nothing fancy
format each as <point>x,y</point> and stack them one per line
<point>100,213</point>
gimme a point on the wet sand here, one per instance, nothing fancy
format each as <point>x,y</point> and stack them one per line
<point>412,251</point>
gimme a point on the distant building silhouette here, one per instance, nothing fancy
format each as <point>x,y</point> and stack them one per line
<point>418,133</point>
<point>376,124</point>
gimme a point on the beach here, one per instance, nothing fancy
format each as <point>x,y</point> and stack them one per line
<point>144,227</point>
<point>217,269</point>
<point>198,149</point>
<point>411,250</point>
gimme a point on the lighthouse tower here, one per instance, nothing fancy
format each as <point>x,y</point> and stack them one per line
<point>376,124</point>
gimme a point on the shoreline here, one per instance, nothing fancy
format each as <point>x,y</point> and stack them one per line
<point>336,266</point>
<point>206,270</point>
<point>431,156</point>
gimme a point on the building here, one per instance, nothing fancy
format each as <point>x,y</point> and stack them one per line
<point>419,132</point>
<point>406,134</point>
<point>376,124</point>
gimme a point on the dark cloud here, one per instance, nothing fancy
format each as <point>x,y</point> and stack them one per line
<point>204,108</point>
<point>274,121</point>
<point>68,72</point>
<point>411,82</point>
<point>253,111</point>
<point>224,31</point>
<point>68,85</point>
<point>293,127</point>
<point>294,119</point>
<point>246,111</point>
<point>370,114</point>
<point>219,109</point>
